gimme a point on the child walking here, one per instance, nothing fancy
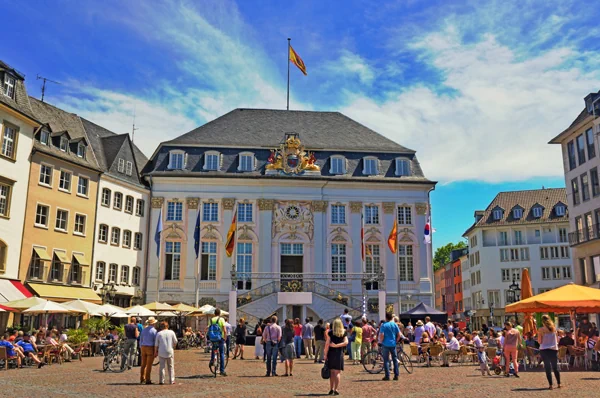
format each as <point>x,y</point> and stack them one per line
<point>483,362</point>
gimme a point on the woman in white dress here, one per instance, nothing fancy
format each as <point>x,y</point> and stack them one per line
<point>258,346</point>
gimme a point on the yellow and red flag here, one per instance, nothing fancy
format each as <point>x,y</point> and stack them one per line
<point>230,245</point>
<point>393,238</point>
<point>296,60</point>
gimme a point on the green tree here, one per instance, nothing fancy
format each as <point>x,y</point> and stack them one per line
<point>442,254</point>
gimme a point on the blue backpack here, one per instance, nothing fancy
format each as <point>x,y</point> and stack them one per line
<point>215,334</point>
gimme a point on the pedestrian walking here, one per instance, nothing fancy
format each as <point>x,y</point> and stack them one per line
<point>337,341</point>
<point>147,343</point>
<point>164,349</point>
<point>272,337</point>
<point>288,349</point>
<point>368,338</point>
<point>130,349</point>
<point>356,343</point>
<point>512,340</point>
<point>307,338</point>
<point>240,339</point>
<point>229,330</point>
<point>549,349</point>
<point>319,342</point>
<point>298,337</point>
<point>389,334</point>
<point>258,343</point>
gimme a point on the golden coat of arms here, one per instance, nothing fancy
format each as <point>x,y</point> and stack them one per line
<point>291,158</point>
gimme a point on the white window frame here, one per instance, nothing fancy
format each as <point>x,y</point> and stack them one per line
<point>9,142</point>
<point>211,212</point>
<point>113,271</point>
<point>120,201</point>
<point>100,271</point>
<point>124,275</point>
<point>118,236</point>
<point>106,233</point>
<point>44,137</point>
<point>121,165</point>
<point>208,155</point>
<point>174,211</point>
<point>243,160</point>
<point>127,208</point>
<point>136,276</point>
<point>75,231</point>
<point>171,249</point>
<point>138,241</point>
<point>497,214</point>
<point>404,215</point>
<point>127,235</point>
<point>129,168</point>
<point>368,163</point>
<point>51,175</point>
<point>87,186</point>
<point>63,144</point>
<point>518,213</point>
<point>75,266</point>
<point>342,163</point>
<point>5,197</point>
<point>60,180</point>
<point>106,199</point>
<point>537,212</point>
<point>245,213</point>
<point>37,207</point>
<point>210,250</point>
<point>406,261</point>
<point>56,220</point>
<point>339,262</point>
<point>9,85</point>
<point>140,206</point>
<point>560,210</point>
<point>338,214</point>
<point>245,263</point>
<point>403,167</point>
<point>174,162</point>
<point>372,215</point>
<point>81,150</point>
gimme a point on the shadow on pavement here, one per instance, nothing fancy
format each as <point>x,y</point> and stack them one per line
<point>195,377</point>
<point>530,389</point>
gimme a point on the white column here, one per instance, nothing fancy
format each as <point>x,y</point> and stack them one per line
<point>355,224</point>
<point>232,307</point>
<point>381,295</point>
<point>191,265</point>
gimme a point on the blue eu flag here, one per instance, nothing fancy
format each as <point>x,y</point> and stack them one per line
<point>197,235</point>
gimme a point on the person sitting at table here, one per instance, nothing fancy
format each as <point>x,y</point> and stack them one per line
<point>567,340</point>
<point>442,340</point>
<point>19,337</point>
<point>63,338</point>
<point>11,352</point>
<point>51,339</point>
<point>452,348</point>
<point>30,349</point>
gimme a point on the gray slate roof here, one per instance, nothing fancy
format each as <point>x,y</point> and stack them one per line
<point>548,198</point>
<point>265,128</point>
<point>61,121</point>
<point>110,146</point>
<point>21,102</point>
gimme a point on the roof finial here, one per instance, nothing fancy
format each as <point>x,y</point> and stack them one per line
<point>133,126</point>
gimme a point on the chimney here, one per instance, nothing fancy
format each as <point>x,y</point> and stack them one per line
<point>478,215</point>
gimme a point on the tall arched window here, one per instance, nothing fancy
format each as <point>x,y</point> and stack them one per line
<point>244,265</point>
<point>3,255</point>
<point>405,263</point>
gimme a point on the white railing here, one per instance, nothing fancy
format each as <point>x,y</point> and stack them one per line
<point>211,285</point>
<point>170,285</point>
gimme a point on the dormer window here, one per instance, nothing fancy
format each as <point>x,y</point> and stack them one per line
<point>338,165</point>
<point>402,167</point>
<point>44,137</point>
<point>212,161</point>
<point>246,162</point>
<point>176,160</point>
<point>497,214</point>
<point>9,86</point>
<point>121,166</point>
<point>129,168</point>
<point>370,166</point>
<point>64,144</point>
<point>537,212</point>
<point>560,210</point>
<point>81,151</point>
<point>518,213</point>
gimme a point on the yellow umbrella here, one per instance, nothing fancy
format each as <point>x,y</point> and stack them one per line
<point>158,307</point>
<point>527,292</point>
<point>565,299</point>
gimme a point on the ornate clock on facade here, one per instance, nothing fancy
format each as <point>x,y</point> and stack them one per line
<point>292,212</point>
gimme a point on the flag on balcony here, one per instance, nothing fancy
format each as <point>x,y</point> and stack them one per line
<point>159,228</point>
<point>393,238</point>
<point>230,245</point>
<point>197,235</point>
<point>427,232</point>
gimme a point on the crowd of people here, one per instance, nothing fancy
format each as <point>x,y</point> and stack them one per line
<point>24,346</point>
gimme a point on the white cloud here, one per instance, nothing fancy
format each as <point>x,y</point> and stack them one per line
<point>350,64</point>
<point>492,116</point>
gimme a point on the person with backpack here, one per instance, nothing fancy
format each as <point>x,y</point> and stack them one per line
<point>217,334</point>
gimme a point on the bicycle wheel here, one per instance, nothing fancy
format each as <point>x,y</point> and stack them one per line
<point>214,365</point>
<point>114,363</point>
<point>405,361</point>
<point>373,362</point>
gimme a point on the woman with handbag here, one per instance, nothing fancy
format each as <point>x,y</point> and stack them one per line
<point>337,341</point>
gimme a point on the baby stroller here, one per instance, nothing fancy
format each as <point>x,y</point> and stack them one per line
<point>499,364</point>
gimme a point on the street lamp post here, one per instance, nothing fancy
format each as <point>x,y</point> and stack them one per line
<point>514,293</point>
<point>108,291</point>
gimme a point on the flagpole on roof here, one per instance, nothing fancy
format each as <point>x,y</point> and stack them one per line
<point>288,80</point>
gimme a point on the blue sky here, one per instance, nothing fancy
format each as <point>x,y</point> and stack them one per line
<point>478,88</point>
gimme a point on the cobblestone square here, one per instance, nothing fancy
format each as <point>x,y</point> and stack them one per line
<point>246,379</point>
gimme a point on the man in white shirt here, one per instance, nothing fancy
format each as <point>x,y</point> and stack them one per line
<point>453,347</point>
<point>164,349</point>
<point>346,319</point>
<point>229,329</point>
<point>430,327</point>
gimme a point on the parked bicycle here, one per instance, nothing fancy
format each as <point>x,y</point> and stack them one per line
<point>373,360</point>
<point>113,358</point>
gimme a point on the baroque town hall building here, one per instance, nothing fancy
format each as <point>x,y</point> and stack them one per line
<point>303,186</point>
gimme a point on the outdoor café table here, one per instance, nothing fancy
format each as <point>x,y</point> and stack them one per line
<point>96,346</point>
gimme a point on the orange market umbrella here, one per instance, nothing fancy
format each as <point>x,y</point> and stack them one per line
<point>565,299</point>
<point>527,292</point>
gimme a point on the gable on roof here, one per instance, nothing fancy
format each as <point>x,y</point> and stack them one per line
<point>19,100</point>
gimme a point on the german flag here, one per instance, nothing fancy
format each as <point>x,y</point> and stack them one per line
<point>230,245</point>
<point>296,60</point>
<point>393,238</point>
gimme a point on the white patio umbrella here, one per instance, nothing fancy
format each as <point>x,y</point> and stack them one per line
<point>26,303</point>
<point>84,306</point>
<point>50,307</point>
<point>112,311</point>
<point>138,310</point>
